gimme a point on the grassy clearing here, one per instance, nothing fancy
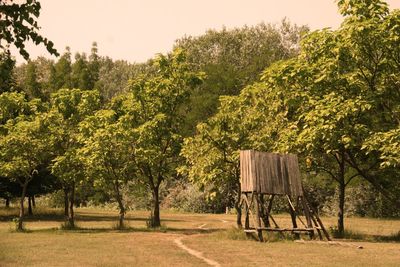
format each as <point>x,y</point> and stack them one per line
<point>288,253</point>
<point>96,242</point>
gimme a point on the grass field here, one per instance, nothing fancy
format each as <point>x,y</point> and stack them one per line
<point>211,236</point>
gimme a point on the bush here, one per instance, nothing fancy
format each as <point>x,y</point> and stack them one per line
<point>188,198</point>
<point>362,200</point>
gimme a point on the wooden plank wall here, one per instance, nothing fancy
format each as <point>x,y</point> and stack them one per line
<point>270,173</point>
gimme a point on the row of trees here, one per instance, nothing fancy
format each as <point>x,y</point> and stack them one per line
<point>333,99</point>
<point>111,132</point>
<point>135,138</point>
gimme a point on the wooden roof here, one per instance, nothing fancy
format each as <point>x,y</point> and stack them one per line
<point>270,173</point>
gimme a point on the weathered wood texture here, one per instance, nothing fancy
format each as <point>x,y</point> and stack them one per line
<point>270,173</point>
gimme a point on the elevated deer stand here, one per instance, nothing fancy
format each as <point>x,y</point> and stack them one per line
<point>266,175</point>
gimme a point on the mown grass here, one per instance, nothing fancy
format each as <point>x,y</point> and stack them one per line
<point>97,242</point>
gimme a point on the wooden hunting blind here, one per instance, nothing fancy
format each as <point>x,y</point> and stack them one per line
<point>265,175</point>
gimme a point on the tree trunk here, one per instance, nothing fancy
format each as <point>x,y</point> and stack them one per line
<point>21,207</point>
<point>120,205</point>
<point>71,219</point>
<point>30,213</point>
<point>66,202</point>
<point>340,225</point>
<point>33,201</point>
<point>238,209</point>
<point>7,202</point>
<point>155,212</point>
<point>342,187</point>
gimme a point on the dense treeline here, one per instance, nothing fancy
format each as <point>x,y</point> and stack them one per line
<point>168,131</point>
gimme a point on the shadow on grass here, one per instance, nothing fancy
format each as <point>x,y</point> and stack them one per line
<point>92,218</point>
<point>234,234</point>
<point>83,230</point>
<point>59,217</point>
<point>357,236</point>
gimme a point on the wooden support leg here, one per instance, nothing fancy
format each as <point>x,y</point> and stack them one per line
<point>293,216</point>
<point>268,210</point>
<point>264,211</point>
<point>308,218</point>
<point>246,212</point>
<point>258,218</point>
<point>315,214</point>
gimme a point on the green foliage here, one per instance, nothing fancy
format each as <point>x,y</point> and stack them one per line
<point>107,153</point>
<point>68,108</point>
<point>184,196</point>
<point>336,104</point>
<point>233,59</point>
<point>13,105</point>
<point>23,146</point>
<point>60,76</point>
<point>387,145</point>
<point>153,107</point>
<point>18,24</point>
<point>7,79</point>
<point>32,87</point>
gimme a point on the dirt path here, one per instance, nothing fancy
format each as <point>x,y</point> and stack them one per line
<point>195,253</point>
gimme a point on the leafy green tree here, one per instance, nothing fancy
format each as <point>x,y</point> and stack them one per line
<point>155,101</point>
<point>31,85</point>
<point>345,81</point>
<point>113,76</point>
<point>60,74</point>
<point>336,103</point>
<point>251,120</point>
<point>68,108</point>
<point>233,59</point>
<point>7,79</point>
<point>80,73</point>
<point>108,154</point>
<point>23,149</point>
<point>94,65</point>
<point>18,24</point>
<point>212,155</point>
<point>33,78</point>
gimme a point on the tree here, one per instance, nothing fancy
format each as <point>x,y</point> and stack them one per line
<point>7,79</point>
<point>94,65</point>
<point>113,76</point>
<point>346,81</point>
<point>251,120</point>
<point>60,74</point>
<point>18,24</point>
<point>80,73</point>
<point>156,101</point>
<point>336,104</point>
<point>233,59</point>
<point>68,108</point>
<point>108,154</point>
<point>212,155</point>
<point>33,78</point>
<point>31,85</point>
<point>23,149</point>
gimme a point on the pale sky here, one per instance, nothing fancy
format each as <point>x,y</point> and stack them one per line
<point>135,30</point>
